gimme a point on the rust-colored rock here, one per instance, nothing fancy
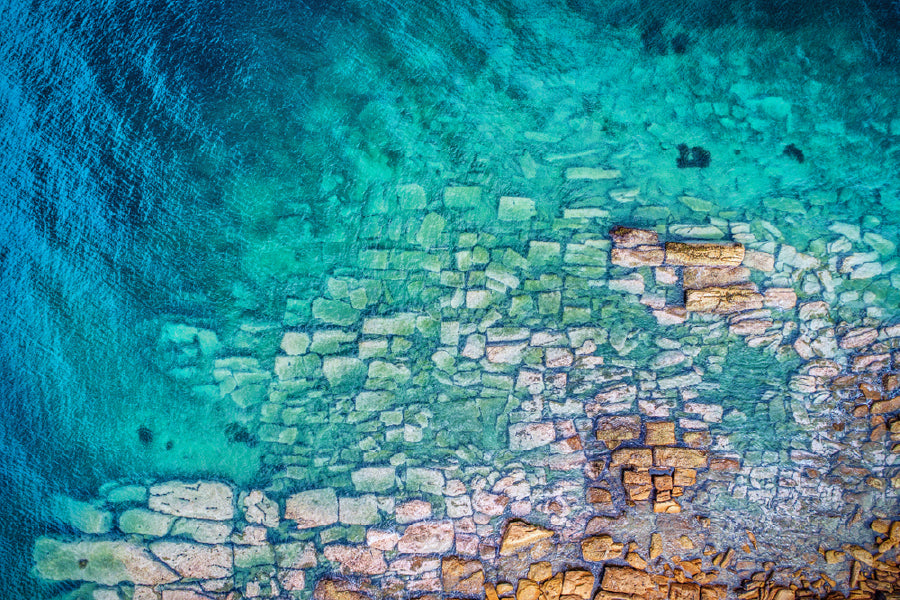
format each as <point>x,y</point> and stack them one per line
<point>598,495</point>
<point>337,589</point>
<point>540,571</point>
<point>703,277</point>
<point>578,583</point>
<point>638,485</point>
<point>682,458</point>
<point>462,576</point>
<point>600,547</point>
<point>722,300</point>
<point>704,254</point>
<point>886,406</point>
<point>528,589</point>
<point>639,458</point>
<point>640,256</point>
<point>626,580</point>
<point>628,237</point>
<point>684,591</point>
<point>552,588</point>
<point>520,535</point>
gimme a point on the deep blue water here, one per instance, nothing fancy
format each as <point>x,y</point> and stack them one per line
<point>201,161</point>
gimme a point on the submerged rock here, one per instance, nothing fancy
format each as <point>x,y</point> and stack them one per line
<point>200,500</point>
<point>102,562</point>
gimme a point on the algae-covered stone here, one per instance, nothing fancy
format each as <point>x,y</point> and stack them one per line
<point>400,324</point>
<point>201,530</point>
<point>722,300</point>
<point>462,197</point>
<point>145,522</point>
<point>411,196</point>
<point>295,555</point>
<point>515,209</point>
<point>374,479</point>
<point>103,562</point>
<point>83,516</point>
<point>430,481</point>
<point>430,230</point>
<point>295,342</point>
<point>362,510</point>
<point>344,372</point>
<point>334,311</point>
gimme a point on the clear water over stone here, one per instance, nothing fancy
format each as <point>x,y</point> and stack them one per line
<point>366,247</point>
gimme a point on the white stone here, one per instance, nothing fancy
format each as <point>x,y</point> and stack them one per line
<point>313,508</point>
<point>200,500</point>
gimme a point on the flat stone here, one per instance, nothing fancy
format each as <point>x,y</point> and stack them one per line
<point>357,559</point>
<point>626,580</point>
<point>783,298</point>
<point>462,576</point>
<point>294,343</point>
<point>312,508</point>
<point>702,277</point>
<point>600,547</point>
<point>697,232</point>
<point>403,324</point>
<point>344,372</point>
<point>260,509</point>
<point>639,458</point>
<point>578,583</point>
<point>105,562</point>
<point>761,261</point>
<point>660,433</point>
<point>629,237</point>
<point>200,500</point>
<point>83,516</point>
<point>704,254</point>
<point>520,535</point>
<point>250,556</point>
<point>331,589</point>
<point>411,196</point>
<point>489,504</point>
<point>592,173</point>
<point>334,312</point>
<point>196,561</point>
<point>295,555</point>
<point>426,537</point>
<point>722,300</point>
<point>506,354</point>
<point>412,511</point>
<point>640,256</point>
<point>201,530</point>
<point>515,209</point>
<point>615,429</point>
<point>362,510</point>
<point>430,230</point>
<point>527,436</point>
<point>145,522</point>
<point>859,337</point>
<point>429,481</point>
<point>886,406</point>
<point>374,479</point>
<point>462,197</point>
<point>685,458</point>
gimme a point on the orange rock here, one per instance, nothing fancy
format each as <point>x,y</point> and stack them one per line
<point>681,458</point>
<point>640,256</point>
<point>684,477</point>
<point>702,277</point>
<point>528,590</point>
<point>618,429</point>
<point>722,300</point>
<point>639,458</point>
<point>704,254</point>
<point>667,507</point>
<point>684,591</point>
<point>600,547</point>
<point>540,571</point>
<point>596,495</point>
<point>660,433</point>
<point>520,535</point>
<point>628,237</point>
<point>886,406</point>
<point>552,588</point>
<point>662,482</point>
<point>626,580</point>
<point>338,589</point>
<point>638,485</point>
<point>461,576</point>
<point>578,583</point>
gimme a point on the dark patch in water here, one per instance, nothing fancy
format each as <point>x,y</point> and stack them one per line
<point>680,43</point>
<point>83,563</point>
<point>169,445</point>
<point>238,434</point>
<point>145,435</point>
<point>652,37</point>
<point>794,152</point>
<point>696,157</point>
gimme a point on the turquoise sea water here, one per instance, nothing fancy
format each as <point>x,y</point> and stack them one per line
<point>207,164</point>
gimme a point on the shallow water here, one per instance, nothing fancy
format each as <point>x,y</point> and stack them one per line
<point>220,167</point>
